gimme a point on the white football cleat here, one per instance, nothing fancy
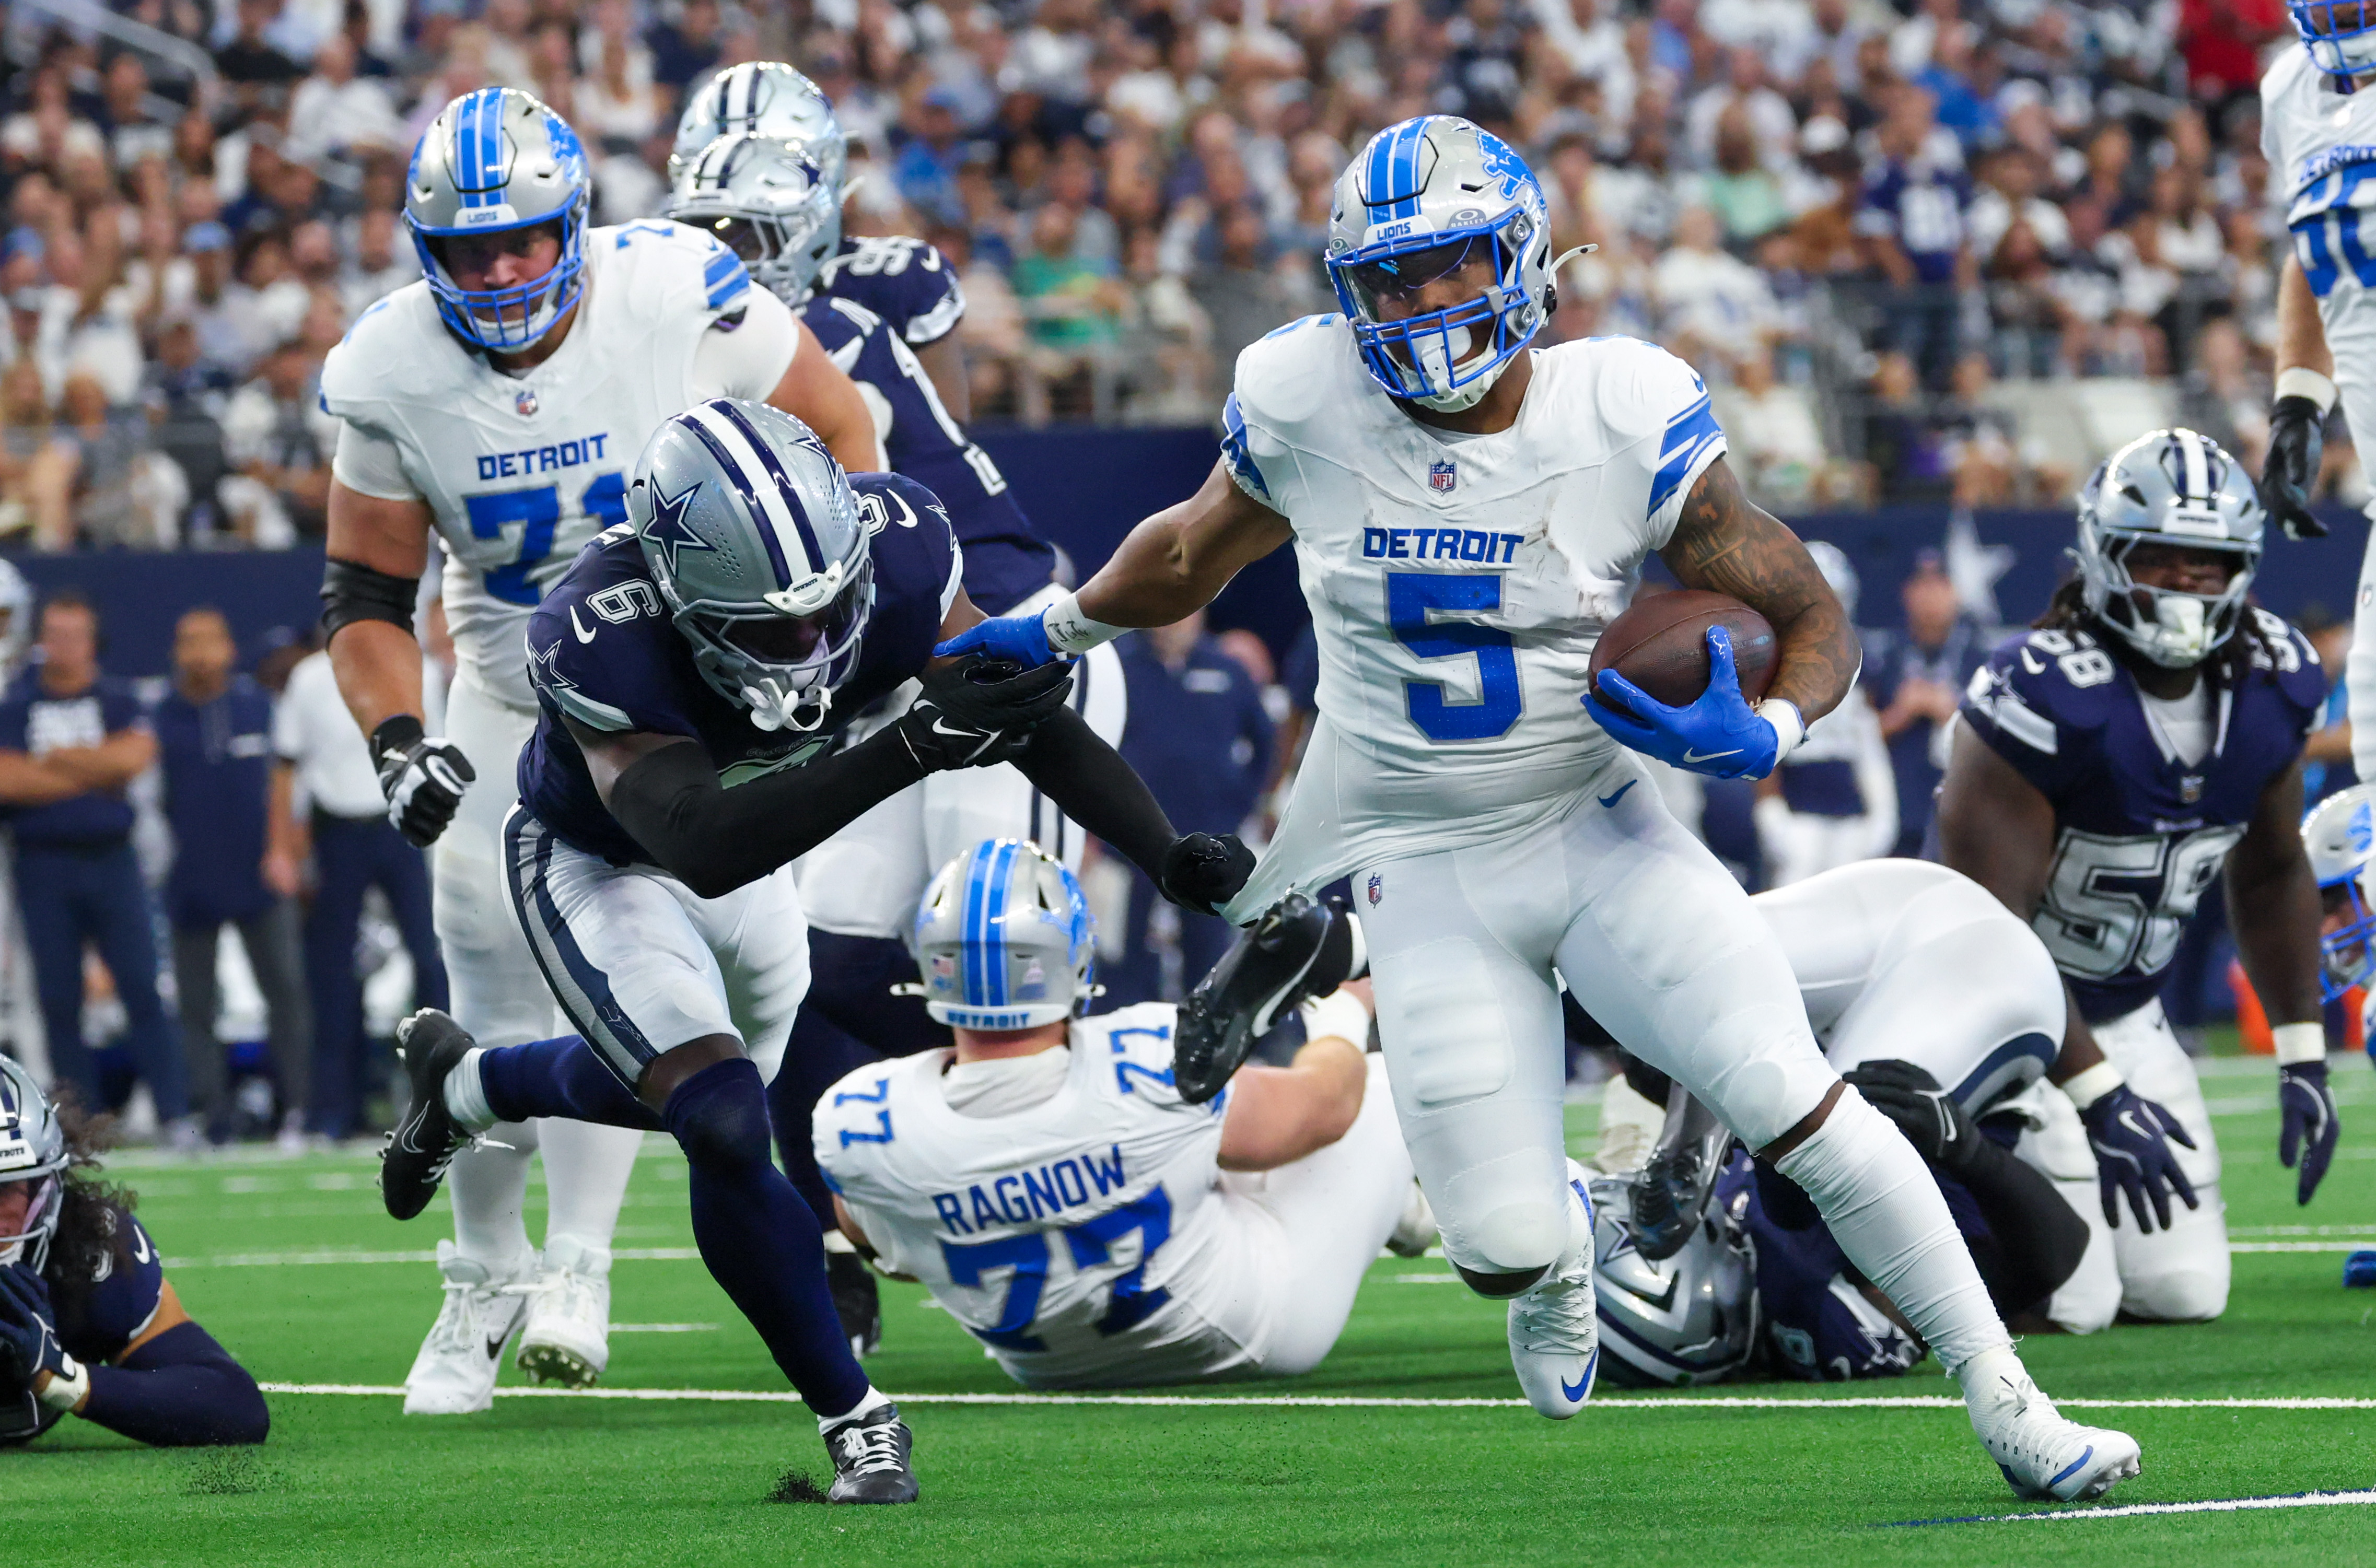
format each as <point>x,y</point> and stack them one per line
<point>2046,1456</point>
<point>1555,1326</point>
<point>567,1339</point>
<point>455,1373</point>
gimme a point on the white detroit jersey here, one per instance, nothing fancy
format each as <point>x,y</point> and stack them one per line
<point>520,471</point>
<point>1458,584</point>
<point>1082,1241</point>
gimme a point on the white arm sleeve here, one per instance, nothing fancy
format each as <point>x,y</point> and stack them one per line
<point>750,360</point>
<point>370,465</point>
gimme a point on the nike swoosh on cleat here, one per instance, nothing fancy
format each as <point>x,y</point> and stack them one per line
<point>2071,1469</point>
<point>1575,1391</point>
<point>1691,757</point>
<point>1612,800</point>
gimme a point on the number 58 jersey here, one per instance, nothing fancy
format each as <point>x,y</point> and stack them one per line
<point>520,472</point>
<point>2139,831</point>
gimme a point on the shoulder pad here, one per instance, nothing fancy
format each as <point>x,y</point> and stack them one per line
<point>907,280</point>
<point>663,268</point>
<point>836,321</point>
<point>2294,663</point>
<point>1287,376</point>
<point>1640,389</point>
<point>380,359</point>
<point>896,501</point>
<point>1136,1044</point>
<point>2039,686</point>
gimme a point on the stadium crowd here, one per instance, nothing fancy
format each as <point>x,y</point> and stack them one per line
<point>1875,227</point>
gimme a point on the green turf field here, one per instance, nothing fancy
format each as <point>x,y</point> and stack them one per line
<point>293,1267</point>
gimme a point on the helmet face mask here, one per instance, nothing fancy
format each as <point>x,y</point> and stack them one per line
<point>1682,1321</point>
<point>767,200</point>
<point>2169,490</point>
<point>494,172</point>
<point>32,1152</point>
<point>2339,34</point>
<point>1005,940</point>
<point>2339,835</point>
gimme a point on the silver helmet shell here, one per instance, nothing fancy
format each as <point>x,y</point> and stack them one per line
<point>770,201</point>
<point>2179,489</point>
<point>495,161</point>
<point>770,100</point>
<point>1417,203</point>
<point>32,1148</point>
<point>2339,836</point>
<point>756,544</point>
<point>1682,1321</point>
<point>1005,940</point>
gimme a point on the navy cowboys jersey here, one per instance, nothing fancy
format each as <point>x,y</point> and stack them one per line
<point>602,649</point>
<point>906,282</point>
<point>2139,834</point>
<point>99,1316</point>
<point>1005,560</point>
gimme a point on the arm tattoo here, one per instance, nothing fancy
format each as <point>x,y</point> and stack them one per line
<point>1725,543</point>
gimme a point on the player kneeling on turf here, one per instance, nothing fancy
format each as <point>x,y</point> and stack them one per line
<point>87,1323</point>
<point>1050,1186</point>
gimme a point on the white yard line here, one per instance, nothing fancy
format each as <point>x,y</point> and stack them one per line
<point>2139,1510</point>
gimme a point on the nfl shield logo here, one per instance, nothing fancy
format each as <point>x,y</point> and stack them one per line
<point>945,968</point>
<point>2190,789</point>
<point>525,403</point>
<point>1442,477</point>
<point>1377,888</point>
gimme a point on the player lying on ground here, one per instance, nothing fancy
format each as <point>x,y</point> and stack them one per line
<point>761,165</point>
<point>88,1321</point>
<point>1047,1182</point>
<point>698,668</point>
<point>1495,827</point>
<point>494,408</point>
<point>2106,768</point>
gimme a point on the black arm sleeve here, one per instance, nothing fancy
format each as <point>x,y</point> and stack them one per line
<point>352,591</point>
<point>1091,784</point>
<point>178,1390</point>
<point>2040,1240</point>
<point>715,839</point>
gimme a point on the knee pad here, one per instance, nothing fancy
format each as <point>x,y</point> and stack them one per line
<point>2183,1295</point>
<point>1521,1237</point>
<point>719,1115</point>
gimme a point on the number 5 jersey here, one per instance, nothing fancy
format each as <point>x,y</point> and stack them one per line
<point>2141,828</point>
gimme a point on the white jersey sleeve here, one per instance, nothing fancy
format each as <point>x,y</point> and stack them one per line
<point>370,464</point>
<point>748,358</point>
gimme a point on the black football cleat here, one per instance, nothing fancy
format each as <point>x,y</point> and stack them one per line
<point>855,1300</point>
<point>1672,1190</point>
<point>870,1460</point>
<point>413,1160</point>
<point>1298,950</point>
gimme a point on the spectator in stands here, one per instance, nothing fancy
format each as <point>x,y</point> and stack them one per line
<point>122,494</point>
<point>1073,306</point>
<point>1712,306</point>
<point>71,741</point>
<point>326,764</point>
<point>235,863</point>
<point>258,75</point>
<point>336,113</point>
<point>132,134</point>
<point>36,466</point>
<point>1248,291</point>
<point>184,397</point>
<point>1912,223</point>
<point>1917,675</point>
<point>682,50</point>
<point>278,442</point>
<point>1741,190</point>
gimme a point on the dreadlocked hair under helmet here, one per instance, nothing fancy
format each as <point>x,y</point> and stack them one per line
<point>2067,612</point>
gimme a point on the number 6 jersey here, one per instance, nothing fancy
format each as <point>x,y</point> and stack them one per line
<point>519,471</point>
<point>2140,832</point>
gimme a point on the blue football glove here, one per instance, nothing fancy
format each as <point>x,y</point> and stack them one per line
<point>2309,1126</point>
<point>1718,734</point>
<point>29,1338</point>
<point>2130,1136</point>
<point>1020,640</point>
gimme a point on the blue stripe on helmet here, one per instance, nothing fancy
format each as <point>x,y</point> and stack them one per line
<point>969,945</point>
<point>817,562</point>
<point>466,172</point>
<point>1002,882</point>
<point>1382,146</point>
<point>1406,170</point>
<point>742,482</point>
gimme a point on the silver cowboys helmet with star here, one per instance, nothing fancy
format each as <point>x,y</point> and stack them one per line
<point>32,1148</point>
<point>1005,940</point>
<point>770,100</point>
<point>492,161</point>
<point>1422,200</point>
<point>1684,1320</point>
<point>757,546</point>
<point>2179,489</point>
<point>769,201</point>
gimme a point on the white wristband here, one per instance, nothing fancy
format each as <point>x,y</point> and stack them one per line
<point>1337,1015</point>
<point>2093,1084</point>
<point>2298,1043</point>
<point>1790,729</point>
<point>1069,631</point>
<point>65,1390</point>
<point>2302,382</point>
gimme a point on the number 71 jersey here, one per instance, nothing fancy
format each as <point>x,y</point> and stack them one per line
<point>520,472</point>
<point>2140,833</point>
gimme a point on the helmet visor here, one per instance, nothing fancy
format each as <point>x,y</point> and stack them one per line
<point>2347,943</point>
<point>1390,287</point>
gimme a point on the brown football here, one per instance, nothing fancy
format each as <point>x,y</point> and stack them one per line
<point>1661,645</point>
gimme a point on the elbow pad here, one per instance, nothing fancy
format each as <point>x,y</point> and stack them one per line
<point>351,592</point>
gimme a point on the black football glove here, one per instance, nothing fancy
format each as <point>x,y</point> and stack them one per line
<point>980,711</point>
<point>29,1337</point>
<point>422,776</point>
<point>2296,443</point>
<point>2310,1127</point>
<point>2132,1137</point>
<point>1933,1121</point>
<point>1204,871</point>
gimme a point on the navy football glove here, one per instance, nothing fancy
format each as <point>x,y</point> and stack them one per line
<point>2130,1136</point>
<point>29,1338</point>
<point>1717,734</point>
<point>1933,1121</point>
<point>2310,1127</point>
<point>2297,443</point>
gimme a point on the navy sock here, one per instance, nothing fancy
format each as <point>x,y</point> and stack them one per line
<point>559,1077</point>
<point>761,1242</point>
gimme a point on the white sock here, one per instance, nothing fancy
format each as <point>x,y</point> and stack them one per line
<point>466,1094</point>
<point>874,1400</point>
<point>488,1183</point>
<point>1886,1211</point>
<point>586,1173</point>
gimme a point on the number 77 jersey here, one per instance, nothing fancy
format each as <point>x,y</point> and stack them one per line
<point>2140,833</point>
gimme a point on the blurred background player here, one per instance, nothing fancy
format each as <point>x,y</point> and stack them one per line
<point>1045,1180</point>
<point>497,404</point>
<point>2108,768</point>
<point>760,163</point>
<point>88,1323</point>
<point>1834,799</point>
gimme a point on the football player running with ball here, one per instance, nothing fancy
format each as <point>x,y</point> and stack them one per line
<point>1468,514</point>
<point>495,406</point>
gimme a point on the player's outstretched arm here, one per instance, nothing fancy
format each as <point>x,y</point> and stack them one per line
<point>1171,565</point>
<point>170,1385</point>
<point>2273,908</point>
<point>1279,1115</point>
